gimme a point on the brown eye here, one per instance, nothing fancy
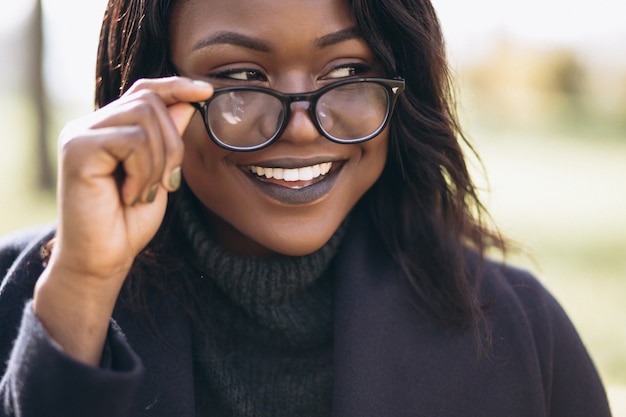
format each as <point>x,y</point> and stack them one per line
<point>348,70</point>
<point>241,74</point>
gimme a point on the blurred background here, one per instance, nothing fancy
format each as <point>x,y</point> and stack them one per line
<point>542,96</point>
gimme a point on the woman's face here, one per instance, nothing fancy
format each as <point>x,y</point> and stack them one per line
<point>292,46</point>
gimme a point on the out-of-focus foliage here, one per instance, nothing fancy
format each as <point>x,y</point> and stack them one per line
<point>557,88</point>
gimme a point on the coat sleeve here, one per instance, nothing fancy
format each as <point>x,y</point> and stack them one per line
<point>576,387</point>
<point>38,378</point>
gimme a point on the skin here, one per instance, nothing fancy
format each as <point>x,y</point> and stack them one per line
<point>102,224</point>
<point>105,220</point>
<point>245,219</point>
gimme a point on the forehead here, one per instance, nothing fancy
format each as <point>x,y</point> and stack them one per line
<point>272,20</point>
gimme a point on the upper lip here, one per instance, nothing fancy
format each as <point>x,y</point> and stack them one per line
<point>291,163</point>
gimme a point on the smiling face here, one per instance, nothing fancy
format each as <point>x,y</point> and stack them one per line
<point>291,196</point>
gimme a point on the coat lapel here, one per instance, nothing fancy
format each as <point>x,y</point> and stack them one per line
<point>367,334</point>
<point>388,357</point>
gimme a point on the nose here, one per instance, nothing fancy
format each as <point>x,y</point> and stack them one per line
<point>300,128</point>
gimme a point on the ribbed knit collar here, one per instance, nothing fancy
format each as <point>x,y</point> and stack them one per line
<point>269,326</point>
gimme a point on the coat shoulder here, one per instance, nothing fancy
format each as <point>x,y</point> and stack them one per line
<point>15,245</point>
<point>524,313</point>
<point>502,280</point>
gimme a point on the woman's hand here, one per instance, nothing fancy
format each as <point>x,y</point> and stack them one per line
<point>116,167</point>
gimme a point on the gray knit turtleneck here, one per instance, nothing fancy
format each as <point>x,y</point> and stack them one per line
<point>265,345</point>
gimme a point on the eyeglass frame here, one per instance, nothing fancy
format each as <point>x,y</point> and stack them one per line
<point>393,87</point>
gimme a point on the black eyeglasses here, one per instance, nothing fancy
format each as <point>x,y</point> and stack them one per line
<point>245,118</point>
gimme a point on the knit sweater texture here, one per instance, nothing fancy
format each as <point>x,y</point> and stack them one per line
<point>264,344</point>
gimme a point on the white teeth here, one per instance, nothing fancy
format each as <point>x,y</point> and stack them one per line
<point>305,174</point>
<point>279,173</point>
<point>292,174</point>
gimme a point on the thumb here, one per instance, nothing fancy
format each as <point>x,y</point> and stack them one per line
<point>181,114</point>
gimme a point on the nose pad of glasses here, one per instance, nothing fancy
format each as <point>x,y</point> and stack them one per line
<point>297,109</point>
<point>300,119</point>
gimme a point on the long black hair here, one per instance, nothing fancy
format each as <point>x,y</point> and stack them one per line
<point>425,206</point>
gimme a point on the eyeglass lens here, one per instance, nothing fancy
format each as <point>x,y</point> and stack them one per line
<point>247,118</point>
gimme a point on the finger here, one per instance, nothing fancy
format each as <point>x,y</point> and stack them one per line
<point>173,121</point>
<point>174,89</point>
<point>180,115</point>
<point>147,111</point>
<point>134,149</point>
<point>151,112</point>
<point>164,124</point>
<point>100,154</point>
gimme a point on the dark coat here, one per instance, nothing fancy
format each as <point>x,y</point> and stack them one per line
<point>389,360</point>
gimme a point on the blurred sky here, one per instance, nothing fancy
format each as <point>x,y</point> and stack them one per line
<point>471,26</point>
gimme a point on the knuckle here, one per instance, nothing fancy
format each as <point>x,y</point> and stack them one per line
<point>71,131</point>
<point>73,153</point>
<point>135,134</point>
<point>148,95</point>
<point>74,139</point>
<point>140,84</point>
<point>143,108</point>
<point>71,145</point>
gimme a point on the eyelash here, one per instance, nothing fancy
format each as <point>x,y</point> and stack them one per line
<point>254,75</point>
<point>356,69</point>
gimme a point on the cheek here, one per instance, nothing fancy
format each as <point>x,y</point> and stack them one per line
<point>221,186</point>
<point>195,135</point>
<point>200,149</point>
<point>379,151</point>
<point>204,162</point>
<point>216,180</point>
<point>375,157</point>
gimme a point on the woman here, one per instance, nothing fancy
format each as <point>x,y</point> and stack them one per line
<point>317,254</point>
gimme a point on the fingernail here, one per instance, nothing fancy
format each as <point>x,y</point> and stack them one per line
<point>201,84</point>
<point>152,193</point>
<point>175,179</point>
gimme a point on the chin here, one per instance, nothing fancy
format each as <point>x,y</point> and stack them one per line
<point>300,239</point>
<point>297,246</point>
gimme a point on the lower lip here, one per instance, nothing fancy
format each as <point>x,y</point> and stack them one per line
<point>296,196</point>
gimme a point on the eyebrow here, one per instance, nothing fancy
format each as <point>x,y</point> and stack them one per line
<point>337,37</point>
<point>239,39</point>
<point>232,38</point>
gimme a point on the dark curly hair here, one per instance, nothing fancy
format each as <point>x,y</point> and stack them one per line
<point>425,206</point>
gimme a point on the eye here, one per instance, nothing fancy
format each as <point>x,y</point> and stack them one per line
<point>349,70</point>
<point>240,74</point>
